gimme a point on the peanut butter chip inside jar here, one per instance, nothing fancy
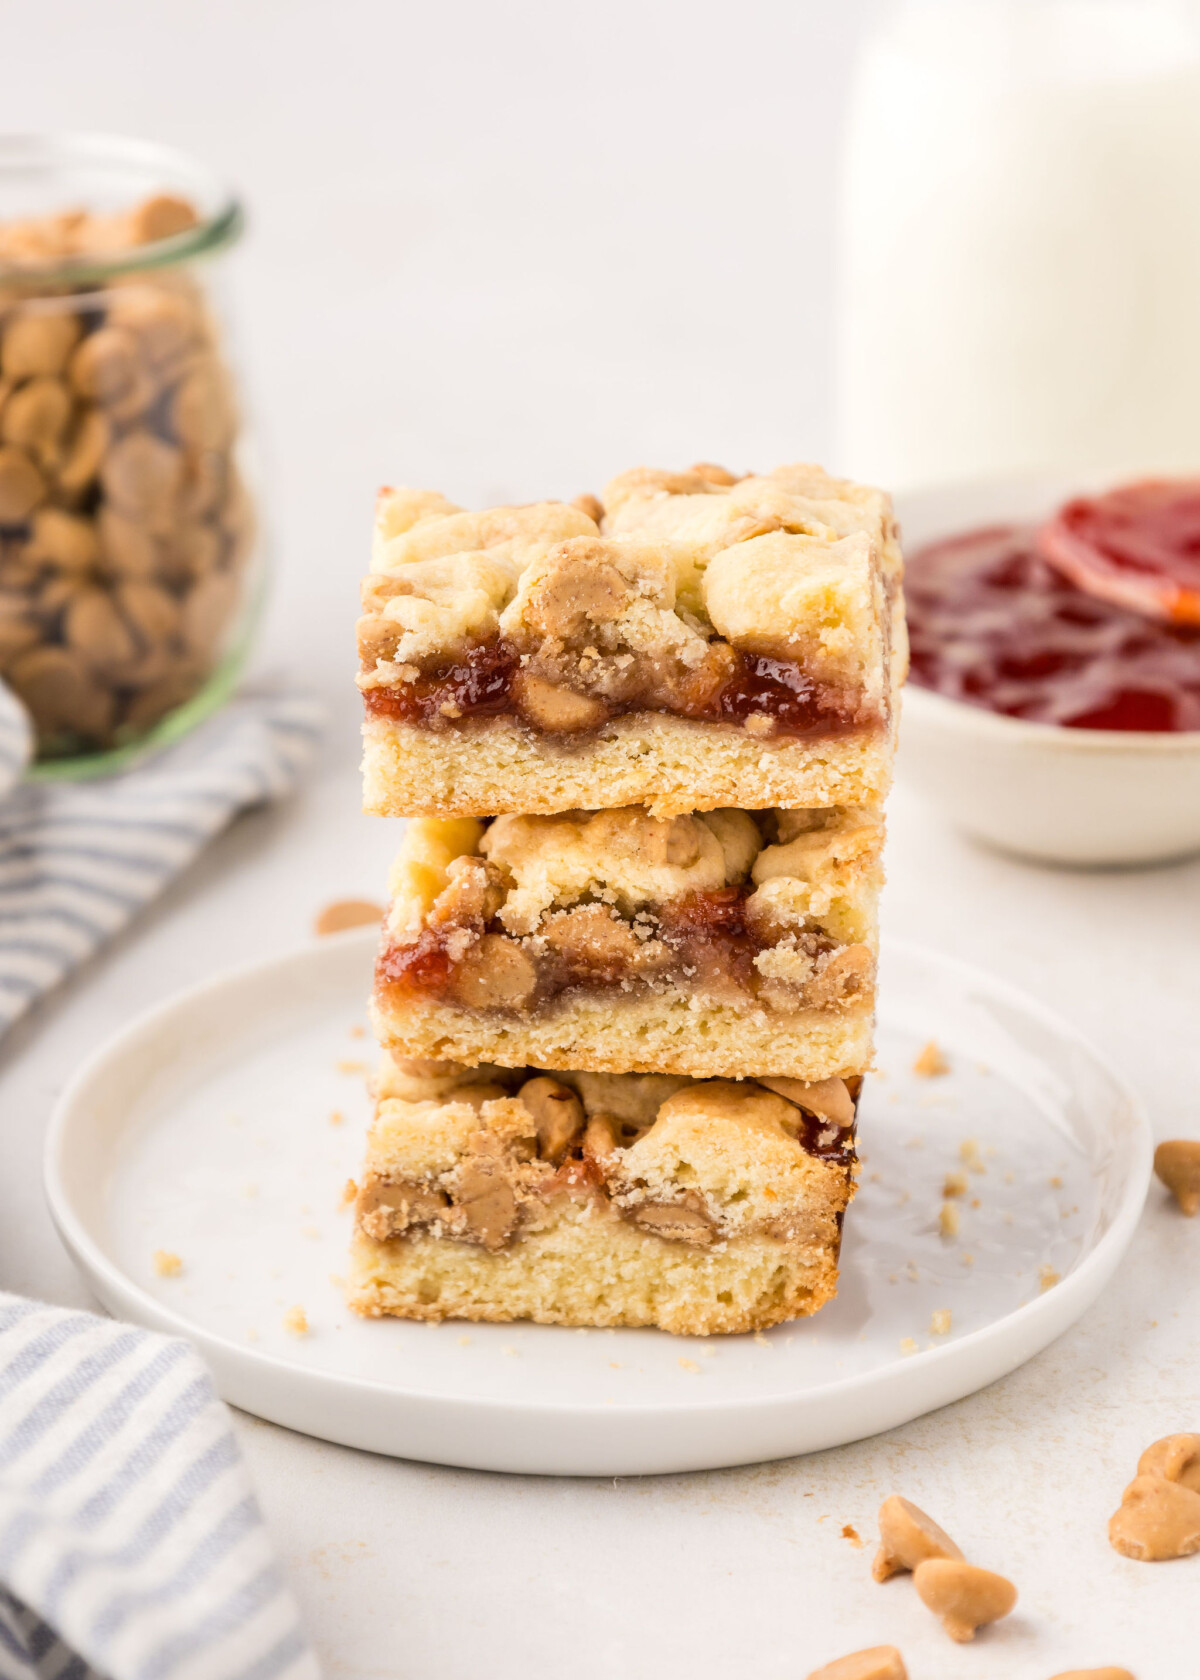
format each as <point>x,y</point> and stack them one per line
<point>125,530</point>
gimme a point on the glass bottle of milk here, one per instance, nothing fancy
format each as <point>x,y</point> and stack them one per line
<point>1020,277</point>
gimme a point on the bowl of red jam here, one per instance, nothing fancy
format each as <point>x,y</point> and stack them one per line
<point>1053,705</point>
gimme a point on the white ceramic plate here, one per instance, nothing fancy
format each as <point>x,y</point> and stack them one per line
<point>208,1129</point>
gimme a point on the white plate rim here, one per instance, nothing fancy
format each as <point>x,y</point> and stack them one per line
<point>984,1354</point>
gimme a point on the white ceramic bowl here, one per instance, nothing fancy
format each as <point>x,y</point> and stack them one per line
<point>1072,796</point>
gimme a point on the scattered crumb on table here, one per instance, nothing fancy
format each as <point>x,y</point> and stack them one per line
<point>939,1324</point>
<point>931,1064</point>
<point>955,1184</point>
<point>690,1366</point>
<point>295,1321</point>
<point>908,1346</point>
<point>347,1064</point>
<point>1047,1278</point>
<point>349,1192</point>
<point>337,1118</point>
<point>849,1532</point>
<point>948,1219</point>
<point>167,1264</point>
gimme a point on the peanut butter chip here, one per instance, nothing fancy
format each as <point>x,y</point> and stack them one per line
<point>963,1597</point>
<point>1094,1674</point>
<point>908,1537</point>
<point>61,692</point>
<point>85,451</point>
<point>591,505</point>
<point>141,476</point>
<point>105,368</point>
<point>486,1201</point>
<point>347,913</point>
<point>495,974</point>
<point>160,217</point>
<point>36,342</point>
<point>36,415</point>
<point>22,486</point>
<point>1176,1458</point>
<point>674,1222</point>
<point>1177,1164</point>
<point>1158,1520</point>
<point>881,1662</point>
<point>557,1114</point>
<point>98,633</point>
<point>64,541</point>
<point>556,710</point>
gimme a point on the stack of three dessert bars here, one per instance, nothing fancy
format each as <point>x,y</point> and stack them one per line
<point>626,984</point>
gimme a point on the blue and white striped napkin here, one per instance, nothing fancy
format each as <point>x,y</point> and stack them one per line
<point>78,860</point>
<point>131,1544</point>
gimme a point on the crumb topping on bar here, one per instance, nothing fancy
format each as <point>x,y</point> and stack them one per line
<point>475,1154</point>
<point>765,601</point>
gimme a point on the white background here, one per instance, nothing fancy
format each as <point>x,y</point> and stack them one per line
<point>507,250</point>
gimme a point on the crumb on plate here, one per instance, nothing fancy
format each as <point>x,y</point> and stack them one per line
<point>931,1063</point>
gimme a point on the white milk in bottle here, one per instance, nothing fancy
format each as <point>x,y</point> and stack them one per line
<point>1020,275</point>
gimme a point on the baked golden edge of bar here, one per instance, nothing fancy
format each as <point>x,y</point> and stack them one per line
<point>671,765</point>
<point>580,1269</point>
<point>655,1034</point>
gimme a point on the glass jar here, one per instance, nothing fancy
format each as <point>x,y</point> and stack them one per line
<point>1021,241</point>
<point>130,572</point>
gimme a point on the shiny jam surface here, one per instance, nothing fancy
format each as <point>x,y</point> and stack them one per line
<point>1138,544</point>
<point>479,683</point>
<point>993,623</point>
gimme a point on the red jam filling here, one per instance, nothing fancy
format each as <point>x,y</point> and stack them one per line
<point>1137,546</point>
<point>480,683</point>
<point>994,623</point>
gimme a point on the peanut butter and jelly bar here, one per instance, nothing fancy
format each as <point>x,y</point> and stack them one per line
<point>727,943</point>
<point>696,641</point>
<point>601,1199</point>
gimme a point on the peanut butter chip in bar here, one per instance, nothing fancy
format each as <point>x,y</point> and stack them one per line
<point>881,1662</point>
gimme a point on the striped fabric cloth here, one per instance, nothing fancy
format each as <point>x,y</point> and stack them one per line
<point>131,1544</point>
<point>78,860</point>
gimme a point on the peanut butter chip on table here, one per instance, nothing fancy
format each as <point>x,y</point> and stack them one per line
<point>963,1597</point>
<point>1176,1458</point>
<point>908,1537</point>
<point>347,913</point>
<point>1177,1164</point>
<point>1094,1674</point>
<point>881,1662</point>
<point>1158,1520</point>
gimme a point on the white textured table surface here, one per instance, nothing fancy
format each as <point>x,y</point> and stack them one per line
<point>508,250</point>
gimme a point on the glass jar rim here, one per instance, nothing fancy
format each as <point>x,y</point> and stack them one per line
<point>147,164</point>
